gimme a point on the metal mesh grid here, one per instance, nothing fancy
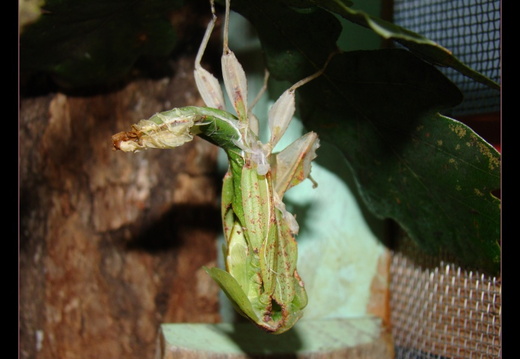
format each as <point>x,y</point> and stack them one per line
<point>440,310</point>
<point>444,311</point>
<point>470,29</point>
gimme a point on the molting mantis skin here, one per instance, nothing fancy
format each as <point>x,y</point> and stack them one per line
<point>261,279</point>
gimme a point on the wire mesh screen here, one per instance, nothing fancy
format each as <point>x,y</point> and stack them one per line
<point>438,309</point>
<point>470,29</point>
<point>444,311</point>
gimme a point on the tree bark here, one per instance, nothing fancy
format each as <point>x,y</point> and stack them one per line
<point>112,244</point>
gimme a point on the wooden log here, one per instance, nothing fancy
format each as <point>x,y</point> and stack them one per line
<point>112,244</point>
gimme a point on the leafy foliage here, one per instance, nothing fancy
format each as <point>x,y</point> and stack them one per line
<point>430,173</point>
<point>95,42</point>
<point>421,46</point>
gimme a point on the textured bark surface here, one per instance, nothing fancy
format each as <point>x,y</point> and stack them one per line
<point>112,244</point>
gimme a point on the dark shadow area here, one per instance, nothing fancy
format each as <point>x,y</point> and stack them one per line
<point>51,48</point>
<point>170,230</point>
<point>258,345</point>
<point>28,202</point>
<point>403,244</point>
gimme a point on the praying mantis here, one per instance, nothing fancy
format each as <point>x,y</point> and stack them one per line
<point>260,251</point>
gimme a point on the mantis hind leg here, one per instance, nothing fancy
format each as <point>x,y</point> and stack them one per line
<point>316,74</point>
<point>207,34</point>
<point>207,84</point>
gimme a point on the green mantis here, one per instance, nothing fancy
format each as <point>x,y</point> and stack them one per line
<point>260,252</point>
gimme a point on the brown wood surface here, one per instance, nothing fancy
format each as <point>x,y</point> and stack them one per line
<point>112,243</point>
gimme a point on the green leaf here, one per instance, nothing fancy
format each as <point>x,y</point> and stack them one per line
<point>421,46</point>
<point>95,42</point>
<point>430,173</point>
<point>283,31</point>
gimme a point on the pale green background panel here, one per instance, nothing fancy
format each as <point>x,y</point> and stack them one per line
<point>306,337</point>
<point>339,241</point>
